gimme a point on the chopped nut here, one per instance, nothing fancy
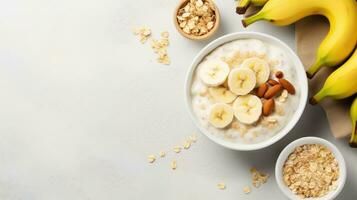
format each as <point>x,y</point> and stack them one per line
<point>279,74</point>
<point>246,189</point>
<point>177,149</point>
<point>221,186</point>
<point>151,158</point>
<point>173,165</point>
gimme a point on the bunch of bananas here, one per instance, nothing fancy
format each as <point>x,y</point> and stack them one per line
<point>335,49</point>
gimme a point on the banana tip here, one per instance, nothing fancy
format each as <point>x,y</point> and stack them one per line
<point>244,23</point>
<point>310,76</point>
<point>352,144</point>
<point>312,101</point>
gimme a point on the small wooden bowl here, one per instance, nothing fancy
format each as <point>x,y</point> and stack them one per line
<point>195,37</point>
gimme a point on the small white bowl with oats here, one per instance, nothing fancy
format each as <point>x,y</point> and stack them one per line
<point>307,163</point>
<point>246,90</point>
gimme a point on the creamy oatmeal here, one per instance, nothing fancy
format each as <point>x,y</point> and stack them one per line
<point>245,91</point>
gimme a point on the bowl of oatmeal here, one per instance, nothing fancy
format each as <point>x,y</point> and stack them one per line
<point>310,168</point>
<point>246,90</point>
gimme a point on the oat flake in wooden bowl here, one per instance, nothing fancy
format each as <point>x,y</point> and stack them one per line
<point>196,19</point>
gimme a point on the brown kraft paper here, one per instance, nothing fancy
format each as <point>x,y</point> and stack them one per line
<point>309,33</point>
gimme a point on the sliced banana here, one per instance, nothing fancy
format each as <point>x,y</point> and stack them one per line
<point>214,73</point>
<point>222,94</point>
<point>221,115</point>
<point>260,67</point>
<point>247,108</point>
<point>241,81</point>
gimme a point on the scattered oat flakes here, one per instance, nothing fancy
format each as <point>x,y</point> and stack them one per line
<point>229,136</point>
<point>284,95</point>
<point>177,149</point>
<point>165,34</point>
<point>280,110</point>
<point>273,63</point>
<point>143,32</point>
<point>197,17</point>
<point>235,125</point>
<point>246,189</point>
<point>270,122</point>
<point>258,178</point>
<point>159,46</point>
<point>162,154</point>
<point>238,57</point>
<point>193,138</point>
<point>173,165</point>
<point>221,186</point>
<point>186,144</point>
<point>242,130</point>
<point>151,158</point>
<point>311,170</point>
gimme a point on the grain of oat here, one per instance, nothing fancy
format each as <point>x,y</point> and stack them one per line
<point>173,165</point>
<point>162,154</point>
<point>246,189</point>
<point>258,178</point>
<point>177,149</point>
<point>221,186</point>
<point>186,144</point>
<point>151,158</point>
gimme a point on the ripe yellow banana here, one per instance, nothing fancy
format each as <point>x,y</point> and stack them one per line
<point>244,4</point>
<point>341,83</point>
<point>353,113</point>
<point>342,15</point>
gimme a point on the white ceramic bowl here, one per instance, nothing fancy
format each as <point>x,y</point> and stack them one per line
<point>301,76</point>
<point>310,140</point>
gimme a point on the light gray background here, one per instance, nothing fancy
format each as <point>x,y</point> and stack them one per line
<point>83,103</point>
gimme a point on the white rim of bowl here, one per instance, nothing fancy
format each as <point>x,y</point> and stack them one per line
<point>310,140</point>
<point>302,79</point>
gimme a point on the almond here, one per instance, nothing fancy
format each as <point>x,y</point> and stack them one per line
<point>279,74</point>
<point>262,89</point>
<point>273,82</point>
<point>287,85</point>
<point>268,107</point>
<point>273,91</point>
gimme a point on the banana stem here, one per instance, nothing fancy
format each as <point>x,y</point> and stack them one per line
<point>249,20</point>
<point>242,6</point>
<point>317,97</point>
<point>314,68</point>
<point>353,140</point>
